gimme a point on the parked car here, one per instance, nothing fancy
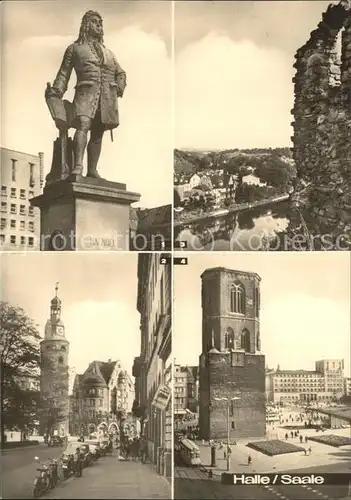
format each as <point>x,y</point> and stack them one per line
<point>104,446</point>
<point>85,452</point>
<point>95,449</point>
<point>56,441</point>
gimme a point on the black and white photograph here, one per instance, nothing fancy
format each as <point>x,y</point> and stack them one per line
<point>262,126</point>
<point>263,385</point>
<point>87,151</point>
<point>86,367</point>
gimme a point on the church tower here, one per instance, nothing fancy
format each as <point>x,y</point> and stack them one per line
<point>232,368</point>
<point>54,379</point>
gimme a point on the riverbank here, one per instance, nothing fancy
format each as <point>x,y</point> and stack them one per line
<point>235,208</point>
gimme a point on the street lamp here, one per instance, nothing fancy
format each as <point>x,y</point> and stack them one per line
<point>228,401</point>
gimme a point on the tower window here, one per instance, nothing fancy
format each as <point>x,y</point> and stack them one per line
<point>237,298</point>
<point>257,302</point>
<point>60,360</point>
<point>63,348</point>
<point>245,340</point>
<point>229,339</point>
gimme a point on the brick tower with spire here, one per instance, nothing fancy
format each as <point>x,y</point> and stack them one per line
<point>54,377</point>
<point>232,368</point>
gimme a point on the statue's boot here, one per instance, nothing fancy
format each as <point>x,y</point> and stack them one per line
<point>80,143</point>
<point>94,150</point>
<point>78,170</point>
<point>92,172</point>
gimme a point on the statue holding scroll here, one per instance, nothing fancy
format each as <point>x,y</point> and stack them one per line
<point>100,81</point>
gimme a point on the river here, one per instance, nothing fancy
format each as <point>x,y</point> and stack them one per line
<point>249,230</point>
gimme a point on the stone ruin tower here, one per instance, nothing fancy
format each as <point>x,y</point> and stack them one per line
<point>322,134</point>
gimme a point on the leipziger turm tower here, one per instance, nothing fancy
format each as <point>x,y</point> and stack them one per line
<point>54,377</point>
<point>232,368</point>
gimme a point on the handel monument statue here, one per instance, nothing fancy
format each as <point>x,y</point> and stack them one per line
<point>100,81</point>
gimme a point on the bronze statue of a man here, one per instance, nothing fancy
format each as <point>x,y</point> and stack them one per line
<point>100,81</point>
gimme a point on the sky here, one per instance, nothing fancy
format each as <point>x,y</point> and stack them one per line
<point>305,305</point>
<point>34,38</point>
<point>234,70</point>
<point>98,293</point>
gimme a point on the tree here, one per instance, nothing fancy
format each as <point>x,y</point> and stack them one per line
<point>19,364</point>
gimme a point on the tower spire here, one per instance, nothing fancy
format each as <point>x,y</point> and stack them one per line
<point>56,288</point>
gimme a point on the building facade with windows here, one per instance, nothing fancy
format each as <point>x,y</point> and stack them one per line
<point>153,367</point>
<point>21,179</point>
<point>185,389</point>
<point>102,400</point>
<point>324,384</point>
<point>347,386</point>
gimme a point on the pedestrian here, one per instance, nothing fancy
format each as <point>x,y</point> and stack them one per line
<point>292,434</point>
<point>305,451</point>
<point>301,438</point>
<point>78,463</point>
<point>249,460</point>
<point>306,439</point>
<point>310,450</point>
<point>286,436</point>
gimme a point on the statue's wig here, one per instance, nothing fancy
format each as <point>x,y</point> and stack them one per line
<point>84,27</point>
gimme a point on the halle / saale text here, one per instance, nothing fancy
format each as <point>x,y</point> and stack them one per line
<point>277,479</point>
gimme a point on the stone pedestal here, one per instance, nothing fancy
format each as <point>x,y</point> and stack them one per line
<point>85,214</point>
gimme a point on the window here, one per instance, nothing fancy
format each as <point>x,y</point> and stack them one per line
<point>22,210</point>
<point>3,223</point>
<point>237,298</point>
<point>60,360</point>
<point>3,191</point>
<point>22,224</point>
<point>31,241</point>
<point>23,240</point>
<point>30,194</point>
<point>13,240</point>
<point>257,303</point>
<point>22,194</point>
<point>229,339</point>
<point>13,192</point>
<point>3,206</point>
<point>31,174</point>
<point>245,340</point>
<point>233,425</point>
<point>2,239</point>
<point>14,170</point>
<point>238,359</point>
<point>30,210</point>
<point>13,208</point>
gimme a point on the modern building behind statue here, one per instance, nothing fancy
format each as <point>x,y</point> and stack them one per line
<point>102,400</point>
<point>232,368</point>
<point>152,368</point>
<point>324,384</point>
<point>21,180</point>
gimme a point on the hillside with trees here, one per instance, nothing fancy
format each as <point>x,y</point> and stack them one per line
<point>272,166</point>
